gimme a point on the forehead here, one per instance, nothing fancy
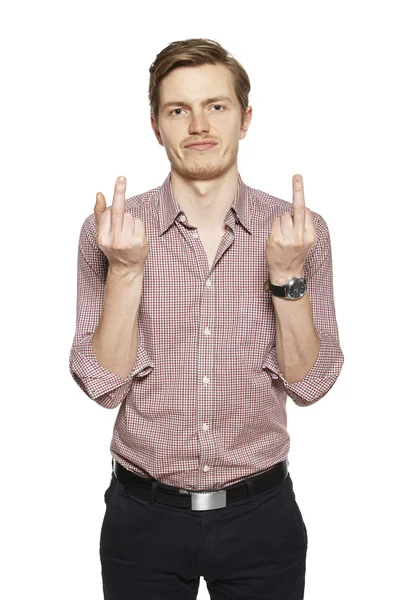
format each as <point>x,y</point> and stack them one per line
<point>192,84</point>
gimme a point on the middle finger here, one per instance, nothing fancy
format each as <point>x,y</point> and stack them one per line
<point>118,205</point>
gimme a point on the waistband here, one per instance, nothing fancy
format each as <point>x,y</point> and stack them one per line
<point>155,491</point>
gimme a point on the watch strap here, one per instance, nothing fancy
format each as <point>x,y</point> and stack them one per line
<point>276,290</point>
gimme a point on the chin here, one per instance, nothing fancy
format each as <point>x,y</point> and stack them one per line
<point>203,172</point>
<point>199,171</point>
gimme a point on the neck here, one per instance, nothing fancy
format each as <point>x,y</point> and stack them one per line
<point>205,202</point>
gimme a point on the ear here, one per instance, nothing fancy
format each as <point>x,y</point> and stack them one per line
<point>155,128</point>
<point>247,122</point>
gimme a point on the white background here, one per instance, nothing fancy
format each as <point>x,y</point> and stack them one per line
<point>75,115</point>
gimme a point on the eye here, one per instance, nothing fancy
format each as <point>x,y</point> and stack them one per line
<point>174,109</point>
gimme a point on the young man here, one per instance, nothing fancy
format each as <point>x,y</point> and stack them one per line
<point>194,316</point>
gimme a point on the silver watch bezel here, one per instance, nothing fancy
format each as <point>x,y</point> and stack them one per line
<point>290,283</point>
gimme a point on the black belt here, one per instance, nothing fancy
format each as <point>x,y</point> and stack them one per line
<point>203,500</point>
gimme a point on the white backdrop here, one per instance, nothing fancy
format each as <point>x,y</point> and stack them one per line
<point>75,115</point>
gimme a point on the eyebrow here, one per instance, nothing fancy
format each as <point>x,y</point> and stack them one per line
<point>181,103</point>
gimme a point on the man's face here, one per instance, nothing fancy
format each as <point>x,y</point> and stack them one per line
<point>218,120</point>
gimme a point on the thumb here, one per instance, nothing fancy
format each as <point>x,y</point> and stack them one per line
<point>99,208</point>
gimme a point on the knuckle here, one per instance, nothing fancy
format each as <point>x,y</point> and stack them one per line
<point>101,240</point>
<point>118,243</point>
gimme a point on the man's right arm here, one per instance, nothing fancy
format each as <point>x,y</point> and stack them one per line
<point>106,355</point>
<point>115,340</point>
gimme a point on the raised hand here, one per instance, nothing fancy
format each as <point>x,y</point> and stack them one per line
<point>291,237</point>
<point>119,235</point>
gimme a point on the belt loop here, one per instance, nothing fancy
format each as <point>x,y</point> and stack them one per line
<point>249,484</point>
<point>153,491</point>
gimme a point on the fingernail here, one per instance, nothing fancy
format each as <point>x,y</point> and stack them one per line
<point>121,179</point>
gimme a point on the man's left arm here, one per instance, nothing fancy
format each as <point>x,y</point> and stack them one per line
<point>297,340</point>
<point>307,356</point>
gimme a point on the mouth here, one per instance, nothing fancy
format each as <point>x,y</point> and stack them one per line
<point>204,146</point>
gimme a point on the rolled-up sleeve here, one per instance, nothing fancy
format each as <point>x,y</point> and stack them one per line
<point>326,370</point>
<point>98,383</point>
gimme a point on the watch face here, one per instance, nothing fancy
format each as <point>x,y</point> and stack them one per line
<point>297,289</point>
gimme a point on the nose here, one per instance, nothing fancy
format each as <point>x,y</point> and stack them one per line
<point>198,123</point>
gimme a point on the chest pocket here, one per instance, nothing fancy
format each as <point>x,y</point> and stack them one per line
<point>256,328</point>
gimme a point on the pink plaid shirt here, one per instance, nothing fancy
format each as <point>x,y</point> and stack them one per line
<point>205,404</point>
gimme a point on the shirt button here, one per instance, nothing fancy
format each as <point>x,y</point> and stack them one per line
<point>205,427</point>
<point>206,468</point>
<point>183,218</point>
<point>206,331</point>
<point>206,379</point>
<point>208,283</point>
<point>195,234</point>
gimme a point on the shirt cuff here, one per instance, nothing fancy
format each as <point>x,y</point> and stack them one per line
<point>318,380</point>
<point>96,380</point>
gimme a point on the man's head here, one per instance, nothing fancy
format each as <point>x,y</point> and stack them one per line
<point>197,91</point>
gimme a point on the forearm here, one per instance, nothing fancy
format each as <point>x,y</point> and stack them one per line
<point>297,340</point>
<point>115,340</point>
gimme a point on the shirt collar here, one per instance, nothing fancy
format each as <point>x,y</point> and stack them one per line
<point>168,209</point>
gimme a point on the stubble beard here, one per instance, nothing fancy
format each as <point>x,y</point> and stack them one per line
<point>202,170</point>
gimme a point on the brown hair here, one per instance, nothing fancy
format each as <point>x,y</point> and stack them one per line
<point>191,53</point>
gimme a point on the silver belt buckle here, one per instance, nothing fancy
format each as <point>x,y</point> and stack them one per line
<point>208,500</point>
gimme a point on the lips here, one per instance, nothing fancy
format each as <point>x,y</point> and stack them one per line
<point>200,145</point>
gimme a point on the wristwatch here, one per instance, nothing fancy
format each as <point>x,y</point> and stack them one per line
<point>292,290</point>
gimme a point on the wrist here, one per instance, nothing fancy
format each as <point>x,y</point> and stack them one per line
<point>124,274</point>
<point>282,278</point>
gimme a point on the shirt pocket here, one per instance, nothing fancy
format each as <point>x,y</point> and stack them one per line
<point>256,329</point>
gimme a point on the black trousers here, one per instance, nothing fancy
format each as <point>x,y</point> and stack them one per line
<point>252,549</point>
